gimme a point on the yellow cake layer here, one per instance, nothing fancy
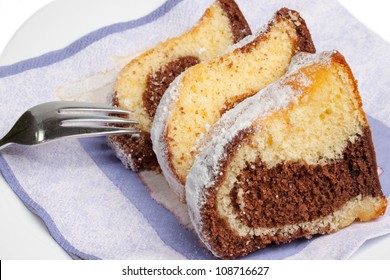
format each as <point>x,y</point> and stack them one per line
<point>315,129</point>
<point>211,36</point>
<point>210,88</point>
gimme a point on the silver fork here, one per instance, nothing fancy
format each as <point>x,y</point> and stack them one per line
<point>58,119</point>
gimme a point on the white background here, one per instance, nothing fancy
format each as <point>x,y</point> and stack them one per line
<point>13,13</point>
<point>22,234</point>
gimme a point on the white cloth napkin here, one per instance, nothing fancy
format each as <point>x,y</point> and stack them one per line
<point>95,208</point>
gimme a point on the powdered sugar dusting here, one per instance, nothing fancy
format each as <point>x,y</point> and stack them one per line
<point>302,80</point>
<point>248,39</point>
<point>303,59</point>
<point>163,114</point>
<point>212,150</point>
<point>121,154</point>
<point>160,123</point>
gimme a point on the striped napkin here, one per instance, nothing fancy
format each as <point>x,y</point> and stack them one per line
<point>95,208</point>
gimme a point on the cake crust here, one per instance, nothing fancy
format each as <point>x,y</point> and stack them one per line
<point>304,40</point>
<point>137,148</point>
<point>176,106</point>
<point>239,25</point>
<point>138,155</point>
<point>276,202</point>
<point>273,196</point>
<point>158,83</point>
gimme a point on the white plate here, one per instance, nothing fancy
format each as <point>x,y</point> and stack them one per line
<point>22,234</point>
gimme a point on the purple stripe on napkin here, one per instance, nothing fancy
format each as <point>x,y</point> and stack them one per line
<point>51,58</point>
<point>40,212</point>
<point>164,222</point>
<point>85,41</point>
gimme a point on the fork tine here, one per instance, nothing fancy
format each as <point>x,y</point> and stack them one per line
<point>68,119</point>
<point>69,107</point>
<point>87,131</point>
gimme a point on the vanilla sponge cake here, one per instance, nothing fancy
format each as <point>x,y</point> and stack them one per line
<point>143,81</point>
<point>198,97</point>
<point>292,161</point>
